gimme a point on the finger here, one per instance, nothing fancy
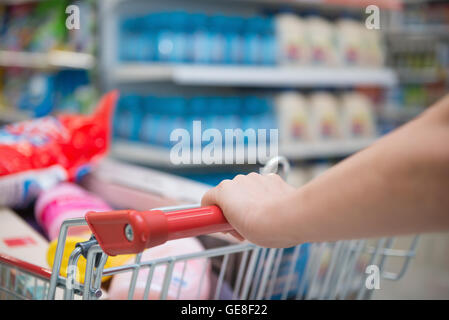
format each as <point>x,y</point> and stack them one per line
<point>209,198</point>
<point>212,196</point>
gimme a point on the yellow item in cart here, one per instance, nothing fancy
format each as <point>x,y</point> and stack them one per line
<point>70,243</point>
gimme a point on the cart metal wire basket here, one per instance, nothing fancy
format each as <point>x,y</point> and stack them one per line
<point>334,270</point>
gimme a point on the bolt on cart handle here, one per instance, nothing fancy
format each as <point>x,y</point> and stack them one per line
<point>131,231</point>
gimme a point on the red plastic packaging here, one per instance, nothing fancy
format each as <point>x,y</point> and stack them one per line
<point>39,153</point>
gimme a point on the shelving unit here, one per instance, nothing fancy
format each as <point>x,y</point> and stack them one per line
<point>151,155</point>
<point>148,77</point>
<point>256,76</point>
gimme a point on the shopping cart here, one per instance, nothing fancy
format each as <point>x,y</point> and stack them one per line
<point>334,270</point>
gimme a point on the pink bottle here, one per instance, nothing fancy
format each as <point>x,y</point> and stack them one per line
<point>191,287</point>
<point>65,201</point>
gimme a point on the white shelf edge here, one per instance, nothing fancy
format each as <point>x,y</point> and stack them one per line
<point>52,59</point>
<point>152,155</point>
<point>337,148</point>
<point>255,76</point>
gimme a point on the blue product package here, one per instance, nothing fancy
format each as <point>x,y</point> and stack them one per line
<point>170,119</point>
<point>165,38</point>
<point>232,110</point>
<point>130,39</point>
<point>180,37</point>
<point>267,120</point>
<point>129,117</point>
<point>215,118</point>
<point>197,111</point>
<point>250,116</point>
<point>150,120</point>
<point>39,95</point>
<point>211,115</point>
<point>176,112</point>
<point>253,40</point>
<point>124,32</point>
<point>234,43</point>
<point>269,45</point>
<point>267,117</point>
<point>251,109</point>
<point>138,41</point>
<point>233,118</point>
<point>217,39</point>
<point>218,118</point>
<point>294,262</point>
<point>151,26</point>
<point>200,50</point>
<point>66,83</point>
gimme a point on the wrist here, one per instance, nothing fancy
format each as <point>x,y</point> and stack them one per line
<point>289,209</point>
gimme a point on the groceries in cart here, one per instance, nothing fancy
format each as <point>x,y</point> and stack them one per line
<point>45,158</point>
<point>37,154</point>
<point>185,280</point>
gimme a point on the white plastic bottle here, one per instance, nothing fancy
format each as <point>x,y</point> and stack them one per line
<point>290,33</point>
<point>324,117</point>
<point>191,283</point>
<point>349,42</point>
<point>372,47</point>
<point>320,40</point>
<point>292,114</point>
<point>357,116</point>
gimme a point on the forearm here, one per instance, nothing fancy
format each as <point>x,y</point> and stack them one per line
<point>399,185</point>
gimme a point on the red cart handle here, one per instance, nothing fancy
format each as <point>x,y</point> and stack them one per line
<point>130,231</point>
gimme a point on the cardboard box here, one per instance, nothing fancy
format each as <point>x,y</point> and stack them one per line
<point>19,240</point>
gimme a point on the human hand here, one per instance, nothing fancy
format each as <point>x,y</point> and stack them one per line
<point>257,208</point>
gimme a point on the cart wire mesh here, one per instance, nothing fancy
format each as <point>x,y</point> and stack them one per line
<point>328,270</point>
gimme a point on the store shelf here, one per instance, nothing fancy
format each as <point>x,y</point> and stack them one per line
<point>328,149</point>
<point>252,76</point>
<point>8,116</point>
<point>151,155</point>
<point>52,59</point>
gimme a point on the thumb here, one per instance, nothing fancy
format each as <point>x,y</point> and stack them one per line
<point>209,198</point>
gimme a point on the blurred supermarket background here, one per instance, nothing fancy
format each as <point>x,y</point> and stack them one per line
<point>310,68</point>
